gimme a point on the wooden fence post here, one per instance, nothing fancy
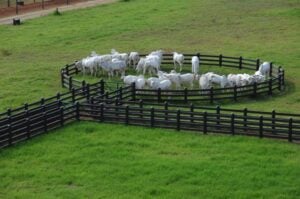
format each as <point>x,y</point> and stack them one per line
<point>9,112</point>
<point>62,77</point>
<point>28,128</point>
<point>42,101</point>
<point>26,106</point>
<point>58,95</point>
<point>9,134</point>
<point>254,89</point>
<point>121,93</point>
<point>27,114</point>
<point>101,112</point>
<point>102,87</point>
<point>279,77</point>
<point>261,118</point>
<point>283,77</point>
<point>62,116</point>
<point>152,117</point>
<point>92,100</point>
<point>141,104</point>
<point>133,91</point>
<point>87,92</point>
<point>290,130</point>
<point>178,120</point>
<point>220,60</point>
<point>70,82</point>
<point>166,110</point>
<point>43,108</point>
<point>67,69</point>
<point>245,119</point>
<point>107,96</point>
<point>127,115</point>
<point>211,95</point>
<point>240,63</point>
<point>235,93</point>
<point>192,112</point>
<point>273,120</point>
<point>73,95</point>
<point>270,86</point>
<point>218,110</point>
<point>83,85</point>
<point>117,103</point>
<point>77,106</point>
<point>185,95</point>
<point>76,70</point>
<point>45,122</point>
<point>271,70</point>
<point>205,122</point>
<point>232,126</point>
<point>257,64</point>
<point>158,95</point>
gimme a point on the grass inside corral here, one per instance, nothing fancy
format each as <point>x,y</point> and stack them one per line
<point>91,160</point>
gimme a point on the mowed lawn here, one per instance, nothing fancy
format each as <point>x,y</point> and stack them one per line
<point>93,160</point>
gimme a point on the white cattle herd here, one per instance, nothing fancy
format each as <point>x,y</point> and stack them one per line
<point>116,63</point>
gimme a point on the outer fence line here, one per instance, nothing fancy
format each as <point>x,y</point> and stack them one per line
<point>49,113</point>
<point>186,120</point>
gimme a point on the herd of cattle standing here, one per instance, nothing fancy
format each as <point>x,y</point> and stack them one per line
<point>116,63</point>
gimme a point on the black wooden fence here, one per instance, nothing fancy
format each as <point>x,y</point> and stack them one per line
<point>105,102</point>
<point>36,118</point>
<point>91,102</point>
<point>274,83</point>
<point>198,119</point>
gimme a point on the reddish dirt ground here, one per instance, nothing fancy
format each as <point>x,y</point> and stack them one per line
<point>11,11</point>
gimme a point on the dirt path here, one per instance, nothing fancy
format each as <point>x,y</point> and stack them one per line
<point>35,14</point>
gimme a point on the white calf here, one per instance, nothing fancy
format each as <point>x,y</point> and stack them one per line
<point>195,64</point>
<point>265,68</point>
<point>187,78</point>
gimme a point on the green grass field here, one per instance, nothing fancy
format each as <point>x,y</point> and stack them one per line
<point>90,160</point>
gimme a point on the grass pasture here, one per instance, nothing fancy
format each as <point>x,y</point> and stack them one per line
<point>92,160</point>
<point>31,55</point>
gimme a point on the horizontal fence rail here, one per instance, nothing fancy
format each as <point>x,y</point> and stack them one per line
<point>117,103</point>
<point>37,118</point>
<point>274,83</point>
<point>217,121</point>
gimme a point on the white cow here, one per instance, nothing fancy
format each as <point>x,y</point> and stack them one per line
<point>205,82</point>
<point>134,58</point>
<point>187,78</point>
<point>220,80</point>
<point>195,64</point>
<point>121,56</point>
<point>178,59</point>
<point>173,77</point>
<point>265,68</point>
<point>162,84</point>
